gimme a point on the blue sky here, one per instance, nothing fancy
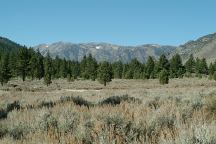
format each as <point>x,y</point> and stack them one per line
<point>125,22</point>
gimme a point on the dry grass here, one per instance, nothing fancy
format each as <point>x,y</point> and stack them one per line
<point>182,112</point>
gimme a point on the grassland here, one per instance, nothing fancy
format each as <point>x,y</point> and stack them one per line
<point>125,111</point>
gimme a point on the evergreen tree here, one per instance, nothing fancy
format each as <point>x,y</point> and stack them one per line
<point>117,69</point>
<point>63,69</point>
<point>176,67</point>
<point>201,67</point>
<point>204,66</point>
<point>163,63</point>
<point>57,66</point>
<point>190,65</point>
<point>104,73</point>
<point>197,66</point>
<point>39,69</point>
<point>83,65</point>
<point>211,69</point>
<point>164,77</point>
<point>48,70</point>
<point>91,67</point>
<point>13,64</point>
<point>23,63</point>
<point>33,66</point>
<point>135,69</point>
<point>75,69</point>
<point>150,65</point>
<point>125,71</point>
<point>5,73</point>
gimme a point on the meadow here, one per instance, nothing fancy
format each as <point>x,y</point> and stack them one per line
<point>125,111</point>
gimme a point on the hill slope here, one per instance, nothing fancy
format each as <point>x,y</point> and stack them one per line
<point>7,45</point>
<point>204,47</point>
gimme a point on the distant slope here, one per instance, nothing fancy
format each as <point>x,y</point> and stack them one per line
<point>104,51</point>
<point>7,45</point>
<point>204,47</point>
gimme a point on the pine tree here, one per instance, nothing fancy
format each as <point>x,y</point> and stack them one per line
<point>23,63</point>
<point>117,69</point>
<point>33,66</point>
<point>150,65</point>
<point>13,64</point>
<point>57,66</point>
<point>135,69</point>
<point>48,70</point>
<point>83,65</point>
<point>204,66</point>
<point>164,77</point>
<point>163,63</point>
<point>197,66</point>
<point>63,69</point>
<point>75,69</point>
<point>5,73</point>
<point>176,67</point>
<point>91,67</point>
<point>104,73</point>
<point>190,65</point>
<point>39,70</point>
<point>211,69</point>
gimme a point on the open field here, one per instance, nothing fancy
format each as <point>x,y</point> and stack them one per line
<point>142,111</point>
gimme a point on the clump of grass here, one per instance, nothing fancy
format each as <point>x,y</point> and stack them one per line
<point>186,114</point>
<point>116,100</point>
<point>155,103</point>
<point>211,104</point>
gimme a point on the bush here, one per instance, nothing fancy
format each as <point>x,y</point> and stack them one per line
<point>48,122</point>
<point>17,132</point>
<point>14,105</point>
<point>65,99</point>
<point>81,102</point>
<point>47,104</point>
<point>211,104</point>
<point>128,131</point>
<point>3,114</point>
<point>214,76</point>
<point>3,130</point>
<point>116,100</point>
<point>69,121</point>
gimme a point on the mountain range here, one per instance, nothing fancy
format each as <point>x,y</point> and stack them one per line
<point>104,51</point>
<point>204,47</point>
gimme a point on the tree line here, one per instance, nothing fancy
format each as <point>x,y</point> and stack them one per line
<point>26,63</point>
